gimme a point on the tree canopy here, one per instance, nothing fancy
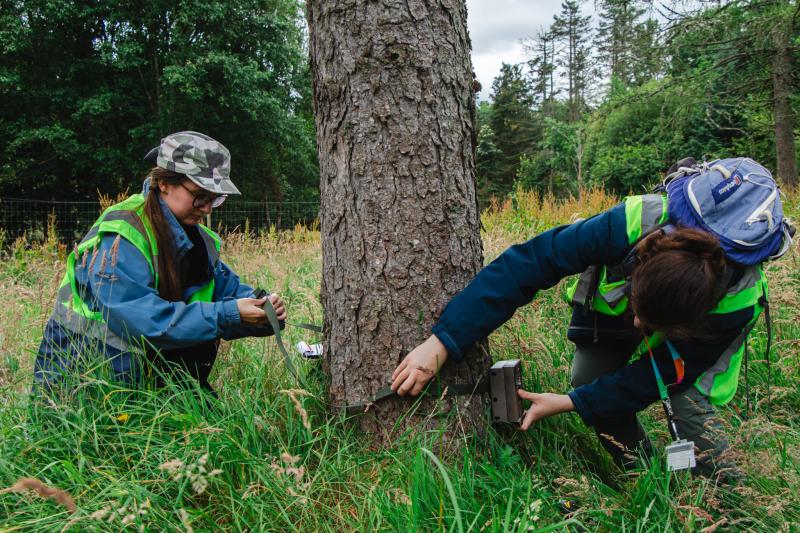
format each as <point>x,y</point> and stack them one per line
<point>89,87</point>
<point>715,80</point>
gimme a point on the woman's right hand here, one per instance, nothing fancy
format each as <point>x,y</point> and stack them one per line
<point>251,311</point>
<point>419,367</point>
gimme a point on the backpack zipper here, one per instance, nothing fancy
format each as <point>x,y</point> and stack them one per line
<point>763,211</point>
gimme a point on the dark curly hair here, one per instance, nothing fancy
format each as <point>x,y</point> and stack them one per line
<point>677,280</point>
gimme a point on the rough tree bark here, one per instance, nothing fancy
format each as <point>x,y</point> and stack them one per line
<point>399,218</point>
<point>785,152</point>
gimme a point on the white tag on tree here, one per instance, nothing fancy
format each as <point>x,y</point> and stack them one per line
<point>680,455</point>
<point>309,351</point>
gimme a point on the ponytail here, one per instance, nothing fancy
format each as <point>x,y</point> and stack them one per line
<point>169,286</point>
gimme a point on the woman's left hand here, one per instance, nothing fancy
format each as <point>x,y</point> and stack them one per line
<point>543,405</point>
<point>277,303</point>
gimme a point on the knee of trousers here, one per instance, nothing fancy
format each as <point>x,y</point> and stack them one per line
<point>592,360</point>
<point>587,366</point>
<point>578,378</point>
<point>697,420</point>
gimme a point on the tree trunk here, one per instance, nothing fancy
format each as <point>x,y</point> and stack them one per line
<point>579,156</point>
<point>784,119</point>
<point>395,116</point>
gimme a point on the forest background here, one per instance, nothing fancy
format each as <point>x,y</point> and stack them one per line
<point>608,100</point>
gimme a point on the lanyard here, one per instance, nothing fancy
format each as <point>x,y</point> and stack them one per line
<point>662,388</point>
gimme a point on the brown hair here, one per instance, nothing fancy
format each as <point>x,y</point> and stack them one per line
<point>677,281</point>
<point>169,283</point>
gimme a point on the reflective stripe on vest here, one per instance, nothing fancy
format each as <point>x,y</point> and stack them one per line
<point>213,244</point>
<point>720,381</point>
<point>126,219</point>
<point>643,214</point>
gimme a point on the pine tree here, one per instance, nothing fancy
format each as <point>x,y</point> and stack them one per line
<point>573,31</point>
<point>513,122</point>
<point>626,44</point>
<point>488,159</point>
<point>750,55</point>
<point>394,107</point>
<point>541,65</point>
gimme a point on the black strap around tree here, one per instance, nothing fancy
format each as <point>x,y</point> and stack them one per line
<point>437,387</point>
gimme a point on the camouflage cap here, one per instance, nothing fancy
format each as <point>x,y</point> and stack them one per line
<point>204,160</point>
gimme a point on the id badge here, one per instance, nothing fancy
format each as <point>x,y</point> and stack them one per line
<point>680,455</point>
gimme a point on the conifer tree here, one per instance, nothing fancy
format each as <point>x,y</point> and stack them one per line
<point>573,31</point>
<point>513,123</point>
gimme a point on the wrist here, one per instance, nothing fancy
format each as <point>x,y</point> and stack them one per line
<point>564,403</point>
<point>231,313</point>
<point>437,349</point>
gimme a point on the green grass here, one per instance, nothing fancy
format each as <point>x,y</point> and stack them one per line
<point>119,453</point>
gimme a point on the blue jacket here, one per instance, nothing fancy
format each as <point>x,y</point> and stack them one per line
<point>131,306</point>
<point>512,280</point>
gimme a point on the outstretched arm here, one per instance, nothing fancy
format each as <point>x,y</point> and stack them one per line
<point>543,405</point>
<point>509,282</point>
<point>512,280</point>
<point>418,367</point>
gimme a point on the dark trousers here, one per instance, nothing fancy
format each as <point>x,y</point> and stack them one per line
<point>189,363</point>
<point>623,436</point>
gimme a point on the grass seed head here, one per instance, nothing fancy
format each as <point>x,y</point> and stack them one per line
<point>45,491</point>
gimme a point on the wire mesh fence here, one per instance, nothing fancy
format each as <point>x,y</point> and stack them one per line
<point>71,220</point>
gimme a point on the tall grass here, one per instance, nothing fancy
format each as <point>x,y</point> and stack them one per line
<point>166,461</point>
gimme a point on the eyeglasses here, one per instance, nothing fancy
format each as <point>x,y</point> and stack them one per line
<point>200,200</point>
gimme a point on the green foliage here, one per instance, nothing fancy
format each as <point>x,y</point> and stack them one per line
<point>740,72</point>
<point>627,167</point>
<point>626,44</point>
<point>573,31</point>
<point>513,122</point>
<point>634,137</point>
<point>553,166</point>
<point>702,86</point>
<point>487,163</point>
<point>89,88</point>
<point>484,114</point>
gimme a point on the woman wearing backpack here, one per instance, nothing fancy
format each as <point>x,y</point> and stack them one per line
<point>640,275</point>
<point>147,279</point>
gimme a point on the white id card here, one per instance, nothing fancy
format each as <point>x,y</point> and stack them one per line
<point>680,455</point>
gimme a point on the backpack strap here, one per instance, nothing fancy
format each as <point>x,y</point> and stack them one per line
<point>788,239</point>
<point>765,304</point>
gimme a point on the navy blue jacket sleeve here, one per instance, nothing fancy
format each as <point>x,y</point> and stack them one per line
<point>631,388</point>
<point>512,280</point>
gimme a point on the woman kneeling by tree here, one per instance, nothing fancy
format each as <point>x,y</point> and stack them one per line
<point>678,282</point>
<point>145,289</point>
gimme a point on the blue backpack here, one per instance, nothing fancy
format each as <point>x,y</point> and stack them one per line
<point>735,199</point>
